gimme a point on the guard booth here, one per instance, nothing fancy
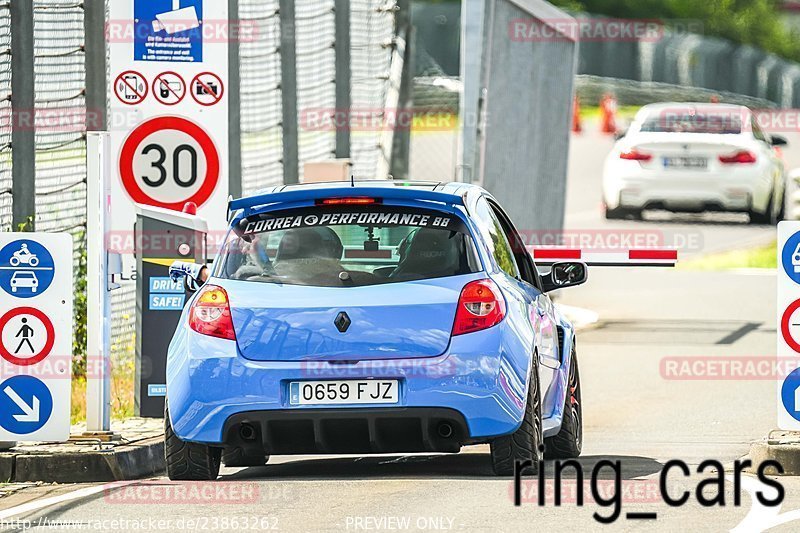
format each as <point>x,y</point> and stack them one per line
<point>162,237</point>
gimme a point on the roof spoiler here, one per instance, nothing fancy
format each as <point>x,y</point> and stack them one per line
<point>394,193</point>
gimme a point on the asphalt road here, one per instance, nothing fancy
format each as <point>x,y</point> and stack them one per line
<point>637,411</point>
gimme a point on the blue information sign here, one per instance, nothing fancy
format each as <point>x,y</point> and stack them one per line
<point>26,268</point>
<point>168,30</point>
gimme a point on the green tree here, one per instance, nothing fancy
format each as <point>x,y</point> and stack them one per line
<point>754,22</point>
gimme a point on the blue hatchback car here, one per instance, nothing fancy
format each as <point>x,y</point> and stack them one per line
<point>370,318</point>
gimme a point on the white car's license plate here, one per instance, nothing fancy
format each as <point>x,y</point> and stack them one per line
<point>700,163</point>
<point>344,392</point>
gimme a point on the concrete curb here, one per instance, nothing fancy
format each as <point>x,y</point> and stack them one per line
<point>121,463</point>
<point>781,446</point>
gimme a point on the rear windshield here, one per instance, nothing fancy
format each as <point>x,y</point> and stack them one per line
<point>690,121</point>
<point>343,246</point>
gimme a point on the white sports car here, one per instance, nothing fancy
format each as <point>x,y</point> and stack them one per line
<point>695,157</point>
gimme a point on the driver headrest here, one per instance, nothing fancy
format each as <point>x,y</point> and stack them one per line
<point>307,243</point>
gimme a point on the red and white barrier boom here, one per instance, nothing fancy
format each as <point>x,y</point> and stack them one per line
<point>545,256</point>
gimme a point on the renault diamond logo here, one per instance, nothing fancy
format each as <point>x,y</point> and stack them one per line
<point>342,322</point>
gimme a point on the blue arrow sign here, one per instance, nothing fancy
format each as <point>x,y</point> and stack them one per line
<point>26,268</point>
<point>25,405</point>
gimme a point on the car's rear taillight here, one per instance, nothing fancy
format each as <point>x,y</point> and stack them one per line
<point>480,306</point>
<point>210,313</point>
<point>741,157</point>
<point>635,155</point>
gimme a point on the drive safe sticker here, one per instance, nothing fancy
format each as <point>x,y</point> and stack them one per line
<point>167,302</point>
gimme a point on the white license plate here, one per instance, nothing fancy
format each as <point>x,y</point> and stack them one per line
<point>686,162</point>
<point>344,392</point>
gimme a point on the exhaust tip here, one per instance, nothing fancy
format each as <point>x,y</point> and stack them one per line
<point>247,432</point>
<point>445,430</point>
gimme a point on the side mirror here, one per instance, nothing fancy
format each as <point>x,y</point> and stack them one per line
<point>778,140</point>
<point>620,134</point>
<point>191,273</point>
<point>564,275</point>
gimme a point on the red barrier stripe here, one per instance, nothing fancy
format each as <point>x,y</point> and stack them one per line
<point>556,253</point>
<point>668,255</point>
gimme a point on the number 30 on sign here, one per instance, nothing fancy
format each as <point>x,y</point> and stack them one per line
<point>168,161</point>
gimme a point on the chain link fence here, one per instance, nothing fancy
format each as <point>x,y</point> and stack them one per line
<point>260,67</point>
<point>372,32</point>
<point>60,116</point>
<point>5,117</point>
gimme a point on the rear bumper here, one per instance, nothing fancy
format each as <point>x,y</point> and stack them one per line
<point>686,191</point>
<point>480,385</point>
<point>363,431</point>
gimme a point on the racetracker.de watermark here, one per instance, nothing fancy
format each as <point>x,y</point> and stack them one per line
<point>171,493</point>
<point>615,240</point>
<point>406,367</point>
<point>212,30</point>
<point>723,119</point>
<point>357,119</point>
<point>744,368</point>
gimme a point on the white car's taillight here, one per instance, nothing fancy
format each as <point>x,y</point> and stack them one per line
<point>742,157</point>
<point>210,313</point>
<point>635,155</point>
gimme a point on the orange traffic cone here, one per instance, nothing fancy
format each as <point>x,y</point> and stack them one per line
<point>608,114</point>
<point>576,116</point>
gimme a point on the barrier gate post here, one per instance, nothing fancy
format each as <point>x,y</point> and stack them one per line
<point>162,237</point>
<point>101,267</point>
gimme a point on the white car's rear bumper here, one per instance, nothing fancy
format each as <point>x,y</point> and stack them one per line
<point>685,190</point>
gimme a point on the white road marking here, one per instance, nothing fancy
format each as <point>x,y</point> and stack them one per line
<point>761,518</point>
<point>33,506</point>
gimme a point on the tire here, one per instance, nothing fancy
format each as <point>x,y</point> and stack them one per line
<point>782,211</point>
<point>14,261</point>
<point>621,213</point>
<point>237,457</point>
<point>189,461</point>
<point>568,442</point>
<point>524,444</point>
<point>617,213</point>
<point>767,217</point>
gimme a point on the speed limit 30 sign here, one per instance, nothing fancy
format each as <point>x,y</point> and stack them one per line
<point>169,161</point>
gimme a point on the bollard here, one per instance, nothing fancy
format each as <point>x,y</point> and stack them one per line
<point>576,115</point>
<point>608,114</point>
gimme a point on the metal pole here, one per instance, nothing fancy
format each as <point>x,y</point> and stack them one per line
<point>94,23</point>
<point>472,46</point>
<point>291,154</point>
<point>343,77</point>
<point>98,295</point>
<point>23,100</point>
<point>401,148</point>
<point>235,103</point>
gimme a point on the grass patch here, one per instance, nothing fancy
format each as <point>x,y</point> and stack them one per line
<point>761,257</point>
<point>122,401</point>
